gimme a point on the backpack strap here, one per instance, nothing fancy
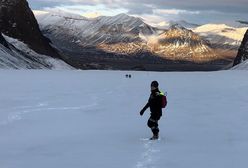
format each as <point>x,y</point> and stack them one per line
<point>161,93</point>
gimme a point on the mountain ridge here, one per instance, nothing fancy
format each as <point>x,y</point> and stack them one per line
<point>120,34</point>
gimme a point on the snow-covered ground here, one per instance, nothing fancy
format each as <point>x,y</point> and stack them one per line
<point>90,119</point>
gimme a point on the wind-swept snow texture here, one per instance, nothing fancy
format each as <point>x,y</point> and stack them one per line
<point>90,119</point>
<point>19,56</point>
<point>241,66</point>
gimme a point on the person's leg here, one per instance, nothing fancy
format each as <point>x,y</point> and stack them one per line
<point>153,124</point>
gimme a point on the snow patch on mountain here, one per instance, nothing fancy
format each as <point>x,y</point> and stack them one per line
<point>124,35</point>
<point>20,56</point>
<point>221,33</point>
<point>180,43</point>
<point>103,29</point>
<point>241,66</point>
<point>183,23</point>
<point>39,12</point>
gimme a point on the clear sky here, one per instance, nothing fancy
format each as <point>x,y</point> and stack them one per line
<point>154,11</point>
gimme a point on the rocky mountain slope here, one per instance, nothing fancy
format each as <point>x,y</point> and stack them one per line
<point>241,66</point>
<point>22,45</point>
<point>221,34</point>
<point>123,38</point>
<point>17,55</point>
<point>177,43</point>
<point>128,39</point>
<point>225,40</point>
<point>17,21</point>
<point>243,51</point>
<point>183,23</point>
<point>91,32</point>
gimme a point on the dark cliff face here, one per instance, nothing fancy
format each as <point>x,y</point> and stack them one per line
<point>13,57</point>
<point>3,41</point>
<point>243,51</point>
<point>18,21</point>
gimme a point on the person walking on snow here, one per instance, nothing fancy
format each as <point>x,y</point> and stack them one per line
<point>156,102</point>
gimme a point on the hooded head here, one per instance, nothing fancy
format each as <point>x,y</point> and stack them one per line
<point>154,85</point>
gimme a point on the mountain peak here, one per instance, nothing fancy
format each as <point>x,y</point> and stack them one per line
<point>124,16</point>
<point>184,24</point>
<point>177,27</point>
<point>59,13</point>
<point>242,22</point>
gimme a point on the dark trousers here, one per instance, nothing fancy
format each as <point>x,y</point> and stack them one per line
<point>153,124</point>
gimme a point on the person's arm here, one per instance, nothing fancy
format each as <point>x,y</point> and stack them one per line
<point>144,108</point>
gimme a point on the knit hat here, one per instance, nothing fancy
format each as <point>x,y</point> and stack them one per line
<point>154,84</point>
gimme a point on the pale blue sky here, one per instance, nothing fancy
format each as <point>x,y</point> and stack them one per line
<point>210,11</point>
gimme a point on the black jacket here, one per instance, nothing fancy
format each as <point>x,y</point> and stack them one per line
<point>155,104</point>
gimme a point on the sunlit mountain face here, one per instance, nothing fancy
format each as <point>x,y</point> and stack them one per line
<point>130,39</point>
<point>104,35</point>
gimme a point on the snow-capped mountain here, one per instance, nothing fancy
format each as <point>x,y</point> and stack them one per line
<point>89,43</point>
<point>179,43</point>
<point>243,51</point>
<point>122,38</point>
<point>22,45</point>
<point>18,21</point>
<point>91,32</point>
<point>17,55</point>
<point>183,23</point>
<point>221,35</point>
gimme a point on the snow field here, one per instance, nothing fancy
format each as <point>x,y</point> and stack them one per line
<point>91,119</point>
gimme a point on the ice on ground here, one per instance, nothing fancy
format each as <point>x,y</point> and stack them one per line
<point>61,119</point>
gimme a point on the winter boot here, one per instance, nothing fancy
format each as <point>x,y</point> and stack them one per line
<point>154,137</point>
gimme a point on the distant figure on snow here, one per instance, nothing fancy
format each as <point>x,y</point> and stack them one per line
<point>156,102</point>
<point>128,76</point>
